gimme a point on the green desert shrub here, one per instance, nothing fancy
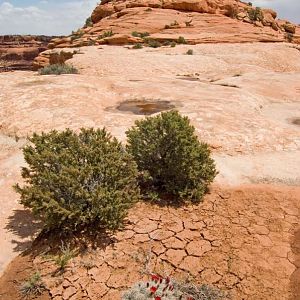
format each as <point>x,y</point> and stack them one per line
<point>170,156</point>
<point>181,40</point>
<point>78,179</point>
<point>58,69</point>
<point>88,22</point>
<point>255,14</point>
<point>34,286</point>
<point>138,46</point>
<point>77,35</point>
<point>106,34</point>
<point>153,43</point>
<point>190,52</point>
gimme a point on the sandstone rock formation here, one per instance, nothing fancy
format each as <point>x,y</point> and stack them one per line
<point>17,52</point>
<point>198,21</point>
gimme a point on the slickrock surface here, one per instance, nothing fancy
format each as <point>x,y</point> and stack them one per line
<point>243,99</point>
<point>17,52</point>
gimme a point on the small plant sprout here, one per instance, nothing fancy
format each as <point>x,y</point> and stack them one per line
<point>64,257</point>
<point>34,286</point>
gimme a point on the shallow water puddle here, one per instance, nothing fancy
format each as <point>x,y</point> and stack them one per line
<point>145,106</point>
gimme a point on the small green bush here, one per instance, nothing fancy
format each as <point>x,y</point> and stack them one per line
<point>181,40</point>
<point>88,22</point>
<point>58,69</point>
<point>170,155</point>
<point>255,14</point>
<point>173,44</point>
<point>74,180</point>
<point>34,286</point>
<point>77,35</point>
<point>106,34</point>
<point>138,46</point>
<point>153,43</point>
<point>190,52</point>
<point>135,34</point>
<point>232,12</point>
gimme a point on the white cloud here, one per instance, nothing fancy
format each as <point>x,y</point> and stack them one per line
<point>45,17</point>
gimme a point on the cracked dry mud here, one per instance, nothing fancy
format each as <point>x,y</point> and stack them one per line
<point>239,239</point>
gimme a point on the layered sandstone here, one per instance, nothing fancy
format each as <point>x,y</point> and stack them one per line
<point>17,52</point>
<point>198,21</point>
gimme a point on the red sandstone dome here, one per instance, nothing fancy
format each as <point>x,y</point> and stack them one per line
<point>122,22</point>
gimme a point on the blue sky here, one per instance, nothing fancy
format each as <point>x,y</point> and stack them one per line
<point>60,17</point>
